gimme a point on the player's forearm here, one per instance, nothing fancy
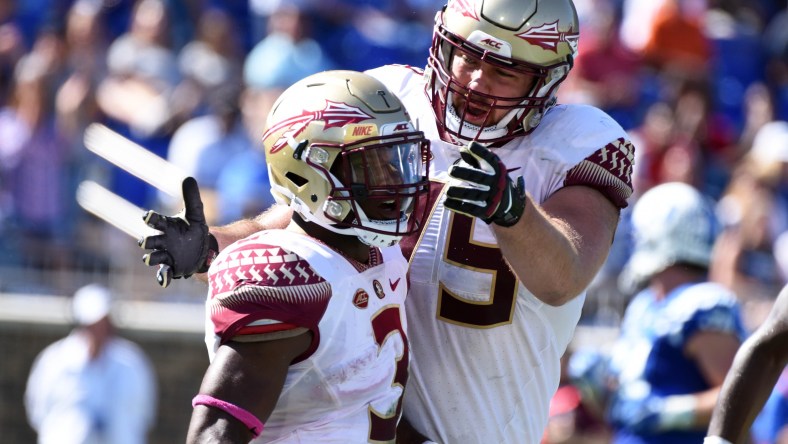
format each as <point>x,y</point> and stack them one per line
<point>547,255</point>
<point>740,400</point>
<point>277,216</point>
<point>212,426</point>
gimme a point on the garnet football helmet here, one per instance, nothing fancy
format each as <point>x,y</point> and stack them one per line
<point>342,152</point>
<point>537,38</point>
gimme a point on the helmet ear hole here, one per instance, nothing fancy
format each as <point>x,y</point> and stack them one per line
<point>299,181</point>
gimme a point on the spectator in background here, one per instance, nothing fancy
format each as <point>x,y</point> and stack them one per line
<point>637,22</point>
<point>243,185</point>
<point>211,59</point>
<point>135,95</point>
<point>733,29</point>
<point>91,387</point>
<point>775,41</point>
<point>142,71</point>
<point>606,73</point>
<point>230,133</point>
<point>287,54</point>
<point>758,111</point>
<point>703,136</point>
<point>684,140</point>
<point>86,42</point>
<point>369,33</point>
<point>678,43</point>
<point>191,139</point>
<point>288,45</point>
<point>653,137</point>
<point>12,48</point>
<point>232,139</point>
<point>680,333</point>
<point>35,161</point>
<point>754,215</point>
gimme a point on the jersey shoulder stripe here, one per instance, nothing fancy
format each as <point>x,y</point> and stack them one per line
<point>252,280</point>
<point>608,170</point>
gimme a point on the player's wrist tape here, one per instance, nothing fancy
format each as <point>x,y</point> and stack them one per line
<point>716,440</point>
<point>239,413</point>
<point>678,412</point>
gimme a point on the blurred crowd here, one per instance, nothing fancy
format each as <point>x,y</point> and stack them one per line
<point>694,81</point>
<point>190,80</point>
<point>700,85</point>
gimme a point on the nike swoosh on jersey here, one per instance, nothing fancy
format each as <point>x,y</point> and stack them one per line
<point>394,284</point>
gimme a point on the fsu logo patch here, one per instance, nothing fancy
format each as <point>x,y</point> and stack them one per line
<point>378,289</point>
<point>361,298</point>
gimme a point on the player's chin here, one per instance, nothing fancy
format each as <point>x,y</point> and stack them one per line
<point>476,116</point>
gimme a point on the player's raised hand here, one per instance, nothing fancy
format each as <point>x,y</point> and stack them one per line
<point>481,187</point>
<point>185,246</point>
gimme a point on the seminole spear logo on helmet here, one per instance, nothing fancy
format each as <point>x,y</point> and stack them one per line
<point>548,37</point>
<point>335,115</point>
<point>466,8</point>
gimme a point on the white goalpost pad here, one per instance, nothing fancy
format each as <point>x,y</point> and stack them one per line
<point>134,158</point>
<point>113,209</point>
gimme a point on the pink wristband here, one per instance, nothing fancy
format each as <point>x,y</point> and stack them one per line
<point>241,414</point>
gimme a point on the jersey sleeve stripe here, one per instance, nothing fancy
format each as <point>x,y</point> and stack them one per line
<point>262,329</point>
<point>608,170</point>
<point>254,296</point>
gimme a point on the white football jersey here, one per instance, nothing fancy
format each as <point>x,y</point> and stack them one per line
<point>486,352</point>
<point>347,387</point>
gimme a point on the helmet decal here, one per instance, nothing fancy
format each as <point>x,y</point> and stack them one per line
<point>467,8</point>
<point>548,37</point>
<point>334,115</point>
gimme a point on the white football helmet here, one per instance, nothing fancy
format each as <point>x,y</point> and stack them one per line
<point>342,152</point>
<point>534,37</point>
<point>672,223</point>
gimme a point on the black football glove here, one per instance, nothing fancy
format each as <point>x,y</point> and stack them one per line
<point>482,187</point>
<point>185,246</point>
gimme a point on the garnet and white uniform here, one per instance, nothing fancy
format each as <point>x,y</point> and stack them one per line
<point>486,351</point>
<point>347,387</point>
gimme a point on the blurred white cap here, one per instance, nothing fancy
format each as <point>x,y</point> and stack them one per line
<point>771,142</point>
<point>91,303</point>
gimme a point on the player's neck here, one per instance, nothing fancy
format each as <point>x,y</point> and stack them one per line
<point>349,246</point>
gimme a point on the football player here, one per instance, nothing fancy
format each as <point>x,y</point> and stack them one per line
<point>306,328</point>
<point>680,333</point>
<point>522,215</point>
